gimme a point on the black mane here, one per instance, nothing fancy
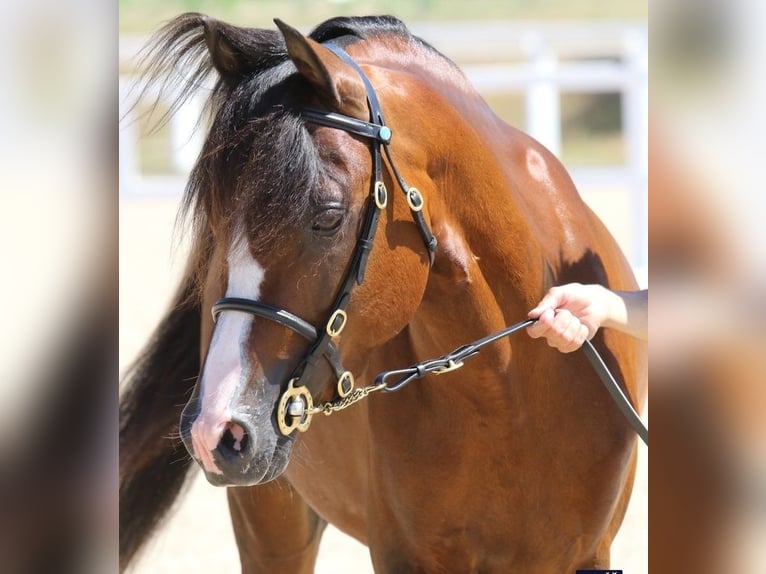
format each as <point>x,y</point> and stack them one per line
<point>360,27</point>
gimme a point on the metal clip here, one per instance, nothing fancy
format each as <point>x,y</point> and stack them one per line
<point>452,365</point>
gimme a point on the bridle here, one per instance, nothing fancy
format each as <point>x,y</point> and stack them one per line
<point>296,406</point>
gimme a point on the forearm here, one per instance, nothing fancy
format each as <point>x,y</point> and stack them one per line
<point>628,312</point>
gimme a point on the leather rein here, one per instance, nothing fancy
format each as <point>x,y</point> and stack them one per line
<point>296,406</point>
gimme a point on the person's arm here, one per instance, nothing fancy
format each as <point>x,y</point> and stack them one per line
<point>569,314</point>
<point>630,314</point>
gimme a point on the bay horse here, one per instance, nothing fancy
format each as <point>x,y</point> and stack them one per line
<point>357,207</point>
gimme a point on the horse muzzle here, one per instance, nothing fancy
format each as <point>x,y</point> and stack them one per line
<point>234,452</point>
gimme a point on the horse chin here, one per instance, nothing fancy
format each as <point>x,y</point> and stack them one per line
<point>262,468</point>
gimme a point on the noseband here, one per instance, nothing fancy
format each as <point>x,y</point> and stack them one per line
<point>296,404</point>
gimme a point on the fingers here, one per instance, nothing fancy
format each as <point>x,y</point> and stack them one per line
<point>564,316</point>
<point>571,333</point>
<point>561,330</point>
<point>552,299</point>
<point>543,325</point>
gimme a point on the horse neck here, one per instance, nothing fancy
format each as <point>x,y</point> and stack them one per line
<point>479,203</point>
<point>489,268</point>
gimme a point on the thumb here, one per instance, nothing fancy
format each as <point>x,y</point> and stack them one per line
<point>536,312</point>
<point>551,300</point>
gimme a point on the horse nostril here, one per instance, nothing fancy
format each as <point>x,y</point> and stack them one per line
<point>234,438</point>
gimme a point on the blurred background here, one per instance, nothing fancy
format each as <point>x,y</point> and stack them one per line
<point>707,243</point>
<point>572,74</point>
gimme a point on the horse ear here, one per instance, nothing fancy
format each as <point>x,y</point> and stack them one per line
<point>226,55</point>
<point>235,52</point>
<point>335,81</point>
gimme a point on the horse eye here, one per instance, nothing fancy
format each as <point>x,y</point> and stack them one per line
<point>328,221</point>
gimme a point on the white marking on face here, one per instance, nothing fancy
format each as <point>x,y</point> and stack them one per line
<point>226,365</point>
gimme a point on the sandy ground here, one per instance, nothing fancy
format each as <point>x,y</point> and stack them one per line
<point>198,537</point>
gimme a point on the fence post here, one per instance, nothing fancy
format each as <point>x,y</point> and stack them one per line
<point>635,113</point>
<point>542,99</point>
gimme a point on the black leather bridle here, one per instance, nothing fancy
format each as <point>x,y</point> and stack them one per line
<point>296,407</point>
<point>322,338</point>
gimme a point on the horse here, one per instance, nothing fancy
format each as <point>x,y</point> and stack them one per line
<point>356,208</point>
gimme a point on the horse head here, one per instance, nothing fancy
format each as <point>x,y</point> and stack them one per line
<point>283,203</point>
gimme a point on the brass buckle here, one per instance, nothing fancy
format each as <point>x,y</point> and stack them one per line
<point>300,422</point>
<point>344,391</point>
<point>381,195</point>
<point>415,199</point>
<point>452,365</point>
<point>334,332</point>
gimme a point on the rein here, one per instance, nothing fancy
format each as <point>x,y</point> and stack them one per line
<point>296,406</point>
<point>455,360</point>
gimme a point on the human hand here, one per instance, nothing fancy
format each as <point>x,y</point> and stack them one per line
<point>569,314</point>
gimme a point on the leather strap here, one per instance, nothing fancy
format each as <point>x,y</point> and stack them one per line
<point>282,317</point>
<point>619,397</point>
<point>380,134</point>
<point>454,360</point>
<point>347,123</point>
<point>376,117</point>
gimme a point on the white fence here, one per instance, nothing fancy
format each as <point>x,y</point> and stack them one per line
<point>538,60</point>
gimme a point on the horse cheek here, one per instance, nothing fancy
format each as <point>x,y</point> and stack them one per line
<point>390,296</point>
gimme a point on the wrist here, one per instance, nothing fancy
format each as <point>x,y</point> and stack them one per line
<point>615,310</point>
